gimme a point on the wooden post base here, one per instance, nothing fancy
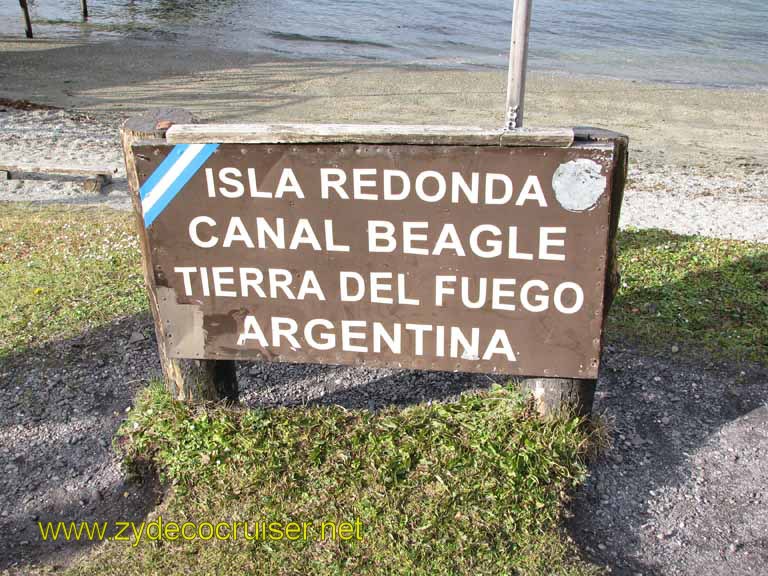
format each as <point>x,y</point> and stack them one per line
<point>554,395</point>
<point>202,380</point>
<point>186,380</point>
<point>27,19</point>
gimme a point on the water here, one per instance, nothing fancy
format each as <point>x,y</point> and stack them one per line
<point>703,42</point>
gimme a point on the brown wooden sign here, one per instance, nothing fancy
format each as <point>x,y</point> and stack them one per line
<point>466,253</point>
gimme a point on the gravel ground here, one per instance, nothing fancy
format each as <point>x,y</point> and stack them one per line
<point>682,491</point>
<point>60,405</point>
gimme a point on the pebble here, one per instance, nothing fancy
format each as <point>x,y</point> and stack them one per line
<point>136,337</point>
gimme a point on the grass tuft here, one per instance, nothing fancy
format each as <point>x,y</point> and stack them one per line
<point>471,487</point>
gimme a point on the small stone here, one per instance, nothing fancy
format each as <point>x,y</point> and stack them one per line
<point>602,547</point>
<point>136,337</point>
<point>666,420</point>
<point>675,349</point>
<point>657,379</point>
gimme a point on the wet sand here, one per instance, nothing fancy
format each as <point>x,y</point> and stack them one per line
<point>714,130</point>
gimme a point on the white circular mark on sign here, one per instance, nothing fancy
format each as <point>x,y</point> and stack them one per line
<point>578,184</point>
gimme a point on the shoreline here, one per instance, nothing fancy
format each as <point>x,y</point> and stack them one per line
<point>698,160</point>
<point>17,44</point>
<point>667,124</point>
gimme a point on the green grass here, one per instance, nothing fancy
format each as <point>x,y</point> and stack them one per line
<point>707,294</point>
<point>472,487</point>
<point>64,271</point>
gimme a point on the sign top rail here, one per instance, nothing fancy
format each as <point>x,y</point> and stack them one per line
<point>367,134</point>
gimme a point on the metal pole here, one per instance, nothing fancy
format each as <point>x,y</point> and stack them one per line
<point>27,19</point>
<point>518,62</point>
<point>84,9</point>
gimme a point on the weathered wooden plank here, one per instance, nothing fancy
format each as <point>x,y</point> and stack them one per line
<point>82,172</point>
<point>188,380</point>
<point>95,178</point>
<point>541,137</point>
<point>366,133</point>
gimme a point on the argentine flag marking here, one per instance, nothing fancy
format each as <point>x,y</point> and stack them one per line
<point>171,176</point>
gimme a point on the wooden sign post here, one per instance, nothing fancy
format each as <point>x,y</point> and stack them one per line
<point>27,19</point>
<point>188,379</point>
<point>436,248</point>
<point>518,63</point>
<point>422,247</point>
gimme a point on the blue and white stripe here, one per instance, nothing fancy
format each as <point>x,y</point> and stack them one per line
<point>171,176</point>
